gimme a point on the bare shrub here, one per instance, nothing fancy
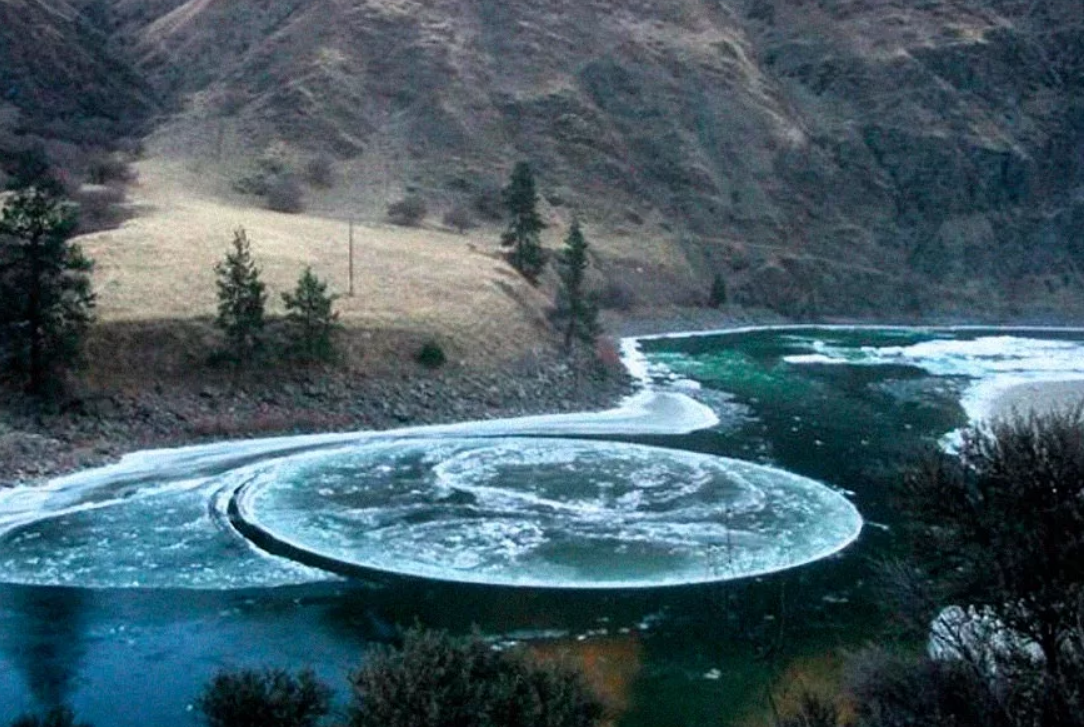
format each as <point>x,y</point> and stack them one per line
<point>998,527</point>
<point>104,167</point>
<point>617,295</point>
<point>608,356</point>
<point>459,219</point>
<point>55,717</point>
<point>435,680</point>
<point>284,194</point>
<point>320,172</point>
<point>100,207</point>
<point>408,212</point>
<point>266,698</point>
<point>892,691</point>
<point>489,203</point>
<point>813,711</point>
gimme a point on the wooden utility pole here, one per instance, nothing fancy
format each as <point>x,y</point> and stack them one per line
<point>351,259</point>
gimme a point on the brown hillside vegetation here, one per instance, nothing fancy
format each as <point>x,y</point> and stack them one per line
<point>424,283</point>
<point>827,157</point>
<point>60,67</point>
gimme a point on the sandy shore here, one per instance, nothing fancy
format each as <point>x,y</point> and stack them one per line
<point>1038,397</point>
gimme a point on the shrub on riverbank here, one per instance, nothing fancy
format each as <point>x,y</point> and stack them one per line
<point>431,680</point>
<point>434,679</point>
<point>264,698</point>
<point>993,581</point>
<point>55,717</point>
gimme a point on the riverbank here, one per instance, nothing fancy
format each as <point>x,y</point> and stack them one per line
<point>162,399</point>
<point>147,388</point>
<point>98,427</point>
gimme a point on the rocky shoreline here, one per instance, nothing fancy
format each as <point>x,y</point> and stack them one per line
<point>96,429</point>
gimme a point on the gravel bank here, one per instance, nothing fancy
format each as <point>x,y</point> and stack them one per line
<point>96,429</point>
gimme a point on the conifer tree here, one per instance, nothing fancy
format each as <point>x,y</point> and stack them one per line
<point>46,300</point>
<point>718,295</point>
<point>579,308</point>
<point>522,236</point>
<point>311,319</point>
<point>242,298</point>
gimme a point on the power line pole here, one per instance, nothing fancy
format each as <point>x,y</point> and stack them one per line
<point>351,258</point>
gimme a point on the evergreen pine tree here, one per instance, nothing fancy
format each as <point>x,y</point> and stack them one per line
<point>717,296</point>
<point>241,300</point>
<point>310,318</point>
<point>45,290</point>
<point>580,309</point>
<point>522,235</point>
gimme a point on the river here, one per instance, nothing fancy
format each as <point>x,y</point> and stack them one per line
<point>127,588</point>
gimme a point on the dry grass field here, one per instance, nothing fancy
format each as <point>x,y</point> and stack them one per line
<point>423,282</point>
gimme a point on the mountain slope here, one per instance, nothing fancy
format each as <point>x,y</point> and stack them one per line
<point>839,156</point>
<point>60,69</point>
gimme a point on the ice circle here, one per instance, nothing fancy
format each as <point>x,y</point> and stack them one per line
<point>554,513</point>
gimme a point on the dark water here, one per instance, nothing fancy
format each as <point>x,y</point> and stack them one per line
<point>674,656</point>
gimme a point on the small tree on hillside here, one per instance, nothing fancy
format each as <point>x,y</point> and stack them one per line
<point>459,219</point>
<point>579,309</point>
<point>522,236</point>
<point>311,319</point>
<point>242,297</point>
<point>717,296</point>
<point>45,291</point>
<point>408,212</point>
<point>284,194</point>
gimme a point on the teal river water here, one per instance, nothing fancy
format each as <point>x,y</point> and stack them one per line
<point>846,407</point>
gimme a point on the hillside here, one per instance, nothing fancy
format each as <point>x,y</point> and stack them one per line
<point>65,73</point>
<point>854,157</point>
<point>421,284</point>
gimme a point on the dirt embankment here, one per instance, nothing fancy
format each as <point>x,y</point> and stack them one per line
<point>97,425</point>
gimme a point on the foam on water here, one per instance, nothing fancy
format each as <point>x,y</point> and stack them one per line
<point>993,362</point>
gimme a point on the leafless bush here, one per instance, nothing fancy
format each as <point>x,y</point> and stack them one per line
<point>436,680</point>
<point>284,194</point>
<point>488,203</point>
<point>408,212</point>
<point>100,207</point>
<point>617,295</point>
<point>813,711</point>
<point>320,172</point>
<point>998,527</point>
<point>459,219</point>
<point>268,698</point>
<point>103,167</point>
<point>893,691</point>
